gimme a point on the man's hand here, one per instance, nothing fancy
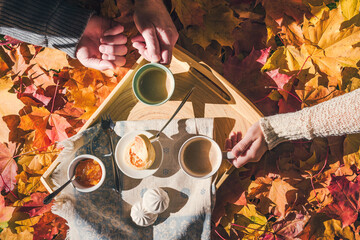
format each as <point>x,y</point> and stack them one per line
<point>158,32</point>
<point>248,149</point>
<point>102,46</point>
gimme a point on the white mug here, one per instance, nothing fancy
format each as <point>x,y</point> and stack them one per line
<point>201,157</point>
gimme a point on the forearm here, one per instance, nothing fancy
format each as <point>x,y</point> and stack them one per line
<point>48,23</point>
<point>338,116</point>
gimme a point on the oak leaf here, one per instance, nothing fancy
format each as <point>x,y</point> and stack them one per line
<point>8,167</point>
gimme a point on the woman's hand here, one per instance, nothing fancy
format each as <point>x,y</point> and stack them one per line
<point>102,46</point>
<point>158,32</point>
<point>248,149</point>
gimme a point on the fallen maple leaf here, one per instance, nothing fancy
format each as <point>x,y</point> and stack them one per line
<point>33,205</point>
<point>50,58</point>
<point>50,225</point>
<point>59,125</point>
<point>349,8</point>
<point>9,235</point>
<point>219,23</point>
<point>289,227</point>
<point>246,76</point>
<point>278,194</point>
<point>27,224</point>
<point>5,213</point>
<point>346,200</point>
<point>189,12</point>
<point>37,120</point>
<point>330,47</point>
<point>322,227</point>
<point>8,167</point>
<point>27,184</point>
<point>352,150</point>
<point>250,222</point>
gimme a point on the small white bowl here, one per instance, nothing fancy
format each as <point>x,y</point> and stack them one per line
<point>71,171</point>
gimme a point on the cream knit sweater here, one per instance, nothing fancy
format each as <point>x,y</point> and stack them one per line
<point>338,116</point>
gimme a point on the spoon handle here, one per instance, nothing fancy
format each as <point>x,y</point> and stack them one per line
<point>50,197</point>
<point>176,111</point>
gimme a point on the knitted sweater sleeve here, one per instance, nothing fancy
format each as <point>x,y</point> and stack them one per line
<point>338,116</point>
<point>48,23</point>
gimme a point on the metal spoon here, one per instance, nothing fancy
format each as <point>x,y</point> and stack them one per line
<point>50,197</point>
<point>156,136</point>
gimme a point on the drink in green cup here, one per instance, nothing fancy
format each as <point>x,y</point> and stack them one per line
<point>153,84</point>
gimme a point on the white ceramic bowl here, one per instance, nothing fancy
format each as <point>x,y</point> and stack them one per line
<point>71,171</point>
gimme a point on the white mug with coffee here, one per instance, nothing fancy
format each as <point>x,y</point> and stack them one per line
<point>201,157</point>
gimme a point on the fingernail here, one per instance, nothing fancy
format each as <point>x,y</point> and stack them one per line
<point>102,48</point>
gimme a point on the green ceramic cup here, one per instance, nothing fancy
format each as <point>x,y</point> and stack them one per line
<point>153,84</point>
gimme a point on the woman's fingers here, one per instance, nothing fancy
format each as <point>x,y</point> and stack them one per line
<point>114,39</point>
<point>152,44</point>
<point>118,50</point>
<point>117,29</point>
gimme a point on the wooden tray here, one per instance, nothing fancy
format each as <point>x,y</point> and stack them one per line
<point>213,97</point>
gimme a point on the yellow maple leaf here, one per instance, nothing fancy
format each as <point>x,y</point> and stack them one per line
<point>324,228</point>
<point>288,59</point>
<point>330,47</point>
<point>28,184</point>
<point>349,8</point>
<point>37,161</point>
<point>219,23</point>
<point>9,235</point>
<point>26,225</point>
<point>352,150</point>
<point>250,222</point>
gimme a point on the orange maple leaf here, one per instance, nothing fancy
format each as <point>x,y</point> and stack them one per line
<point>37,121</point>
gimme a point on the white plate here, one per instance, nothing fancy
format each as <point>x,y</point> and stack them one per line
<point>128,170</point>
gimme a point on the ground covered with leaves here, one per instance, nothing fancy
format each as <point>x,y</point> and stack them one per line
<point>284,55</point>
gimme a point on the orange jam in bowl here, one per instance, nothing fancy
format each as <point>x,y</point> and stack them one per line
<point>88,172</point>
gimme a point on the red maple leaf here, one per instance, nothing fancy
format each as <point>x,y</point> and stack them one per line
<point>246,76</point>
<point>35,206</point>
<point>346,199</point>
<point>58,125</point>
<point>49,226</point>
<point>8,167</point>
